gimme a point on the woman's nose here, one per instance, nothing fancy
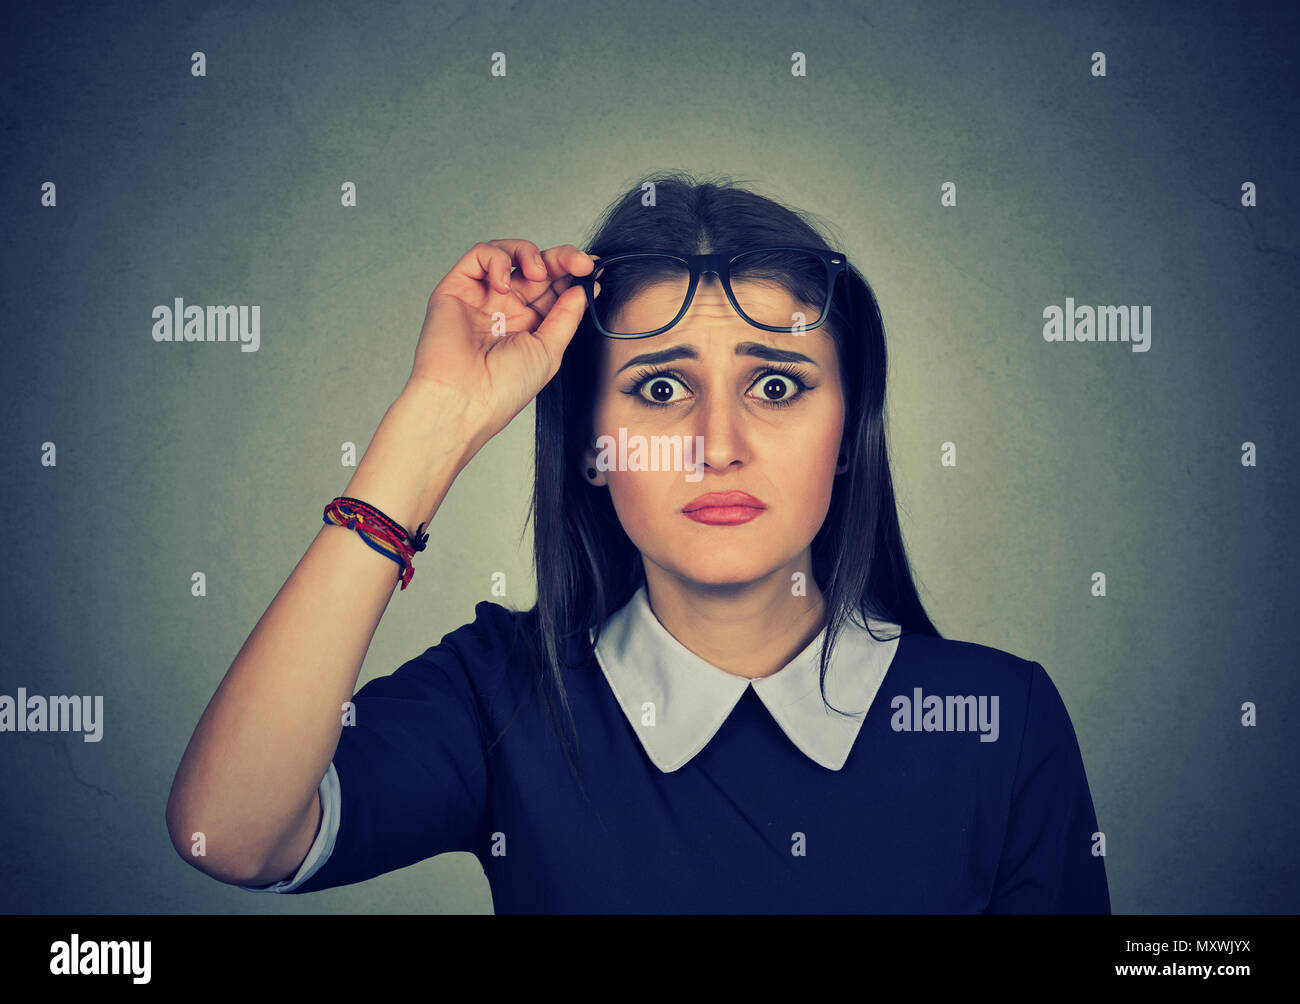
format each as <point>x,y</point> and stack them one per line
<point>719,421</point>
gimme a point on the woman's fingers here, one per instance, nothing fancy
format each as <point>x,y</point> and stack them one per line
<point>494,261</point>
<point>542,276</point>
<point>528,257</point>
<point>477,264</point>
<point>567,260</point>
<point>560,265</point>
<point>518,252</point>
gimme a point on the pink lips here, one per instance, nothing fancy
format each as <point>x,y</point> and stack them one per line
<point>723,508</point>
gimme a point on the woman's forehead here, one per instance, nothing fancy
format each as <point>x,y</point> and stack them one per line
<point>719,343</point>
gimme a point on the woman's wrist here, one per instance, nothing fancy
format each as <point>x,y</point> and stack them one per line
<point>451,412</point>
<point>422,443</point>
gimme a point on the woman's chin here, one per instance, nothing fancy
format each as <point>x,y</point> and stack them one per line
<point>722,574</point>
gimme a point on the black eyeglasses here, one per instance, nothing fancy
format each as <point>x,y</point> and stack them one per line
<point>761,284</point>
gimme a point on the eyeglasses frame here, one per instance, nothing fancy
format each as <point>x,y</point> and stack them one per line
<point>718,264</point>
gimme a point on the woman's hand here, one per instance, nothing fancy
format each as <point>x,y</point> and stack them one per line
<point>491,340</point>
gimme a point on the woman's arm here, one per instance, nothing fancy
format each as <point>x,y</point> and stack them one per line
<point>248,778</point>
<point>1051,859</point>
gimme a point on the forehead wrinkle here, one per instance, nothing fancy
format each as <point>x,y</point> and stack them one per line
<point>716,307</point>
<point>752,336</point>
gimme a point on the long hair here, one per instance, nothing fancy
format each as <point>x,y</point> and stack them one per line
<point>586,565</point>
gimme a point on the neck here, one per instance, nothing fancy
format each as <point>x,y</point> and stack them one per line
<point>752,629</point>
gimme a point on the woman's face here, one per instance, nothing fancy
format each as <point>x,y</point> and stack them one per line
<point>768,410</point>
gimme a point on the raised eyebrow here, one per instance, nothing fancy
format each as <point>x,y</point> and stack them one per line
<point>756,349</point>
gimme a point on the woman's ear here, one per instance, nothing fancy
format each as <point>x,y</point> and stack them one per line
<point>591,472</point>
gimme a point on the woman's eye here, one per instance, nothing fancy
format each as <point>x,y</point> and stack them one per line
<point>774,387</point>
<point>659,390</point>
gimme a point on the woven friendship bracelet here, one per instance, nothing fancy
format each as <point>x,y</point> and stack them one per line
<point>381,532</point>
<point>356,505</point>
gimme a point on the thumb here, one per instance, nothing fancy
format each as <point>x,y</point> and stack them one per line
<point>562,321</point>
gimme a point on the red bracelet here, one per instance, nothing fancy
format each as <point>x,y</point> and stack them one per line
<point>380,532</point>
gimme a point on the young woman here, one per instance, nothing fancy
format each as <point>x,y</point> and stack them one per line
<point>728,697</point>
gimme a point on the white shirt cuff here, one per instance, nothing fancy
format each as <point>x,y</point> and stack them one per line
<point>322,846</point>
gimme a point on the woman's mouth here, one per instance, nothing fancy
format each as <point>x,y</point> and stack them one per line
<point>723,508</point>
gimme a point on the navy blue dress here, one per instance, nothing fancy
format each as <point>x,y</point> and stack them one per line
<point>911,817</point>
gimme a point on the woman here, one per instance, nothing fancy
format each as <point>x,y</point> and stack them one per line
<point>728,697</point>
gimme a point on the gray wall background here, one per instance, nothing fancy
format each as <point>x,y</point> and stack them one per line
<point>1072,458</point>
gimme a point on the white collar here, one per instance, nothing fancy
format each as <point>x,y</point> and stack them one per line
<point>691,698</point>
